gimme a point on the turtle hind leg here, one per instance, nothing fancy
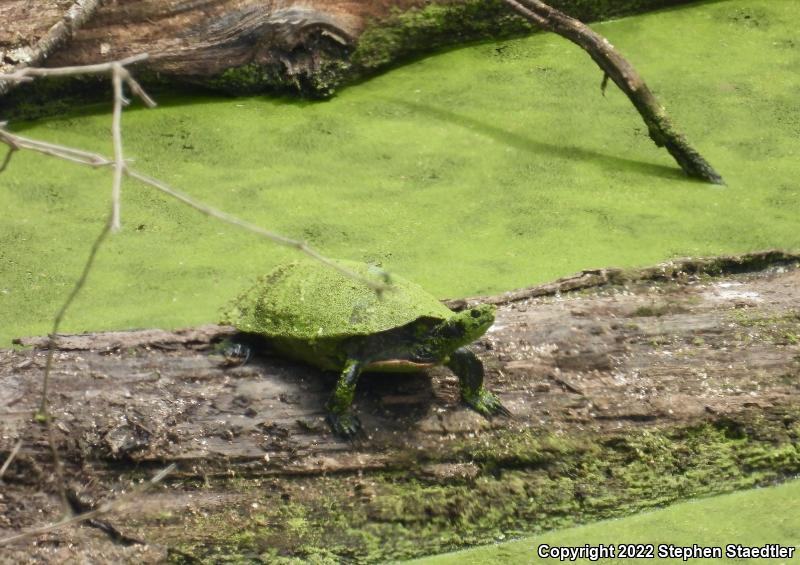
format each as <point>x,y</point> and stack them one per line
<point>234,351</point>
<point>343,422</point>
<point>469,370</point>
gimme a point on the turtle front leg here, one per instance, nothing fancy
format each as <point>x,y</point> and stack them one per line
<point>341,419</point>
<point>469,370</point>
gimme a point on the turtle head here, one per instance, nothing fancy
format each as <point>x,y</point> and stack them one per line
<point>465,327</point>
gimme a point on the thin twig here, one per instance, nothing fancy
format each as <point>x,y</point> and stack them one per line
<point>97,160</point>
<point>10,458</point>
<point>116,134</point>
<point>272,236</point>
<point>29,73</point>
<point>44,415</point>
<point>136,88</point>
<point>58,465</point>
<point>102,509</point>
<point>53,149</point>
<point>64,307</point>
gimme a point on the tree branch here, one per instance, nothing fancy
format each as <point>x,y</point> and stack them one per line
<point>617,68</point>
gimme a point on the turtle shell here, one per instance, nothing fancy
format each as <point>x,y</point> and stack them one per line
<point>309,301</point>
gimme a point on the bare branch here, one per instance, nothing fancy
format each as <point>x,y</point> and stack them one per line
<point>116,134</point>
<point>102,509</point>
<point>120,74</point>
<point>44,415</point>
<point>97,160</point>
<point>28,73</point>
<point>530,15</point>
<point>53,149</point>
<point>266,234</point>
<point>136,88</point>
<point>64,307</point>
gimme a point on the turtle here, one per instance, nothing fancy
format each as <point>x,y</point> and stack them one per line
<point>315,314</point>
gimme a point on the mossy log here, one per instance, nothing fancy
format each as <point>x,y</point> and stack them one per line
<point>248,46</point>
<point>629,390</point>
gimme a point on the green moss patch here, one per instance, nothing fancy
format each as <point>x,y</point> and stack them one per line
<point>441,24</point>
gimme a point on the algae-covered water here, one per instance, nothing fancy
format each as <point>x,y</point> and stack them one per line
<point>481,169</point>
<point>743,518</point>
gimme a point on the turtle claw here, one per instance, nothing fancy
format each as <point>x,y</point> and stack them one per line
<point>502,410</point>
<point>487,404</point>
<point>346,426</point>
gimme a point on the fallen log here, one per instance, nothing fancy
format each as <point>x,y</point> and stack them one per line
<point>665,383</point>
<point>249,46</point>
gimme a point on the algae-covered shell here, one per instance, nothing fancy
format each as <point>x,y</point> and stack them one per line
<point>309,301</point>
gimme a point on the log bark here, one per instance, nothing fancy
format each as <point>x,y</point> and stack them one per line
<point>614,66</point>
<point>61,32</point>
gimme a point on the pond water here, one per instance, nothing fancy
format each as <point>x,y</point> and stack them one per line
<point>477,170</point>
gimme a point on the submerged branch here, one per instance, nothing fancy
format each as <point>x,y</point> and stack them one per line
<point>614,66</point>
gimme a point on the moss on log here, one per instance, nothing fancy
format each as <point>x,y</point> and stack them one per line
<point>496,487</point>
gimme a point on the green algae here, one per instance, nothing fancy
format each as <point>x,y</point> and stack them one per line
<point>486,168</point>
<point>746,518</point>
<point>525,483</point>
